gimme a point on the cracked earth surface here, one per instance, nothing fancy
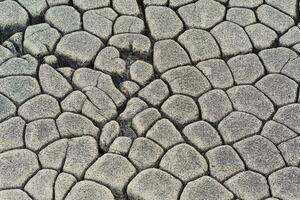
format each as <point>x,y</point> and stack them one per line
<point>149,99</point>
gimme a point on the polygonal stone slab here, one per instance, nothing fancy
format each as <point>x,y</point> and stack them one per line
<point>241,16</point>
<point>90,4</point>
<point>291,151</point>
<point>7,108</point>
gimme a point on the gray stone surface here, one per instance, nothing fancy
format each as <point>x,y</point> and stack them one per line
<point>241,16</point>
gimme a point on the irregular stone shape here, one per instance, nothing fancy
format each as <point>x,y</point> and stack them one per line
<point>276,132</point>
<point>36,8</point>
<point>203,14</point>
<point>291,151</point>
<point>81,153</point>
<point>133,107</point>
<point>144,120</point>
<point>127,7</point>
<point>217,72</point>
<point>271,17</point>
<point>5,54</point>
<point>247,4</point>
<point>16,167</point>
<point>39,133</point>
<point>52,82</point>
<point>224,162</point>
<point>129,24</point>
<point>289,116</point>
<point>89,190</point>
<point>25,65</point>
<point>129,88</point>
<point>73,102</point>
<point>121,145</point>
<point>163,22</point>
<point>155,92</point>
<point>155,2</point>
<point>100,22</point>
<point>259,154</point>
<point>40,39</point>
<point>144,153</point>
<point>184,162</point>
<point>179,3</point>
<point>180,109</point>
<point>11,133</point>
<point>65,18</point>
<point>205,188</point>
<point>136,43</point>
<point>291,37</point>
<point>232,38</point>
<point>238,125</point>
<point>280,89</point>
<point>246,69</point>
<point>284,183</point>
<point>52,3</point>
<point>19,88</point>
<point>15,44</point>
<point>168,54</point>
<point>200,44</point>
<point>108,61</point>
<point>41,106</point>
<point>186,80</point>
<point>141,72</point>
<point>276,58</point>
<point>292,69</point>
<point>249,99</point>
<point>40,186</point>
<point>248,185</point>
<point>7,108</point>
<point>241,16</point>
<point>51,60</point>
<point>112,170</point>
<point>84,5</point>
<point>63,184</point>
<point>13,18</point>
<point>289,7</point>
<point>74,125</point>
<point>164,133</point>
<point>78,48</point>
<point>214,105</point>
<point>201,135</point>
<point>109,133</point>
<point>261,36</point>
<point>154,184</point>
<point>14,194</point>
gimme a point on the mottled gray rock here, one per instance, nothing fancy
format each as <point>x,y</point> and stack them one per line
<point>40,39</point>
<point>73,102</point>
<point>129,88</point>
<point>248,185</point>
<point>63,184</point>
<point>292,69</point>
<point>127,7</point>
<point>41,106</point>
<point>224,162</point>
<point>16,167</point>
<point>89,190</point>
<point>260,154</point>
<point>200,44</point>
<point>274,19</point>
<point>7,108</point>
<point>36,8</point>
<point>289,116</point>
<point>15,43</point>
<point>129,24</point>
<point>19,88</point>
<point>280,89</point>
<point>217,72</point>
<point>11,133</point>
<point>289,7</point>
<point>5,54</point>
<point>163,22</point>
<point>144,120</point>
<point>202,14</point>
<point>168,54</point>
<point>205,188</point>
<point>109,133</point>
<point>90,4</point>
<point>133,107</point>
<point>155,2</point>
<point>291,37</point>
<point>14,194</point>
<point>100,22</point>
<point>40,186</point>
<point>232,38</point>
<point>179,3</point>
<point>184,162</point>
<point>154,184</point>
<point>186,80</point>
<point>201,135</point>
<point>155,92</point>
<point>121,145</point>
<point>112,170</point>
<point>249,99</point>
<point>65,18</point>
<point>261,36</point>
<point>214,105</point>
<point>291,151</point>
<point>164,133</point>
<point>51,60</point>
<point>78,48</point>
<point>180,109</point>
<point>52,3</point>
<point>284,183</point>
<point>247,4</point>
<point>246,69</point>
<point>40,133</point>
<point>141,72</point>
<point>241,16</point>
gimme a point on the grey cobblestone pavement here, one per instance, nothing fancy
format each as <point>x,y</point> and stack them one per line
<point>149,100</point>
